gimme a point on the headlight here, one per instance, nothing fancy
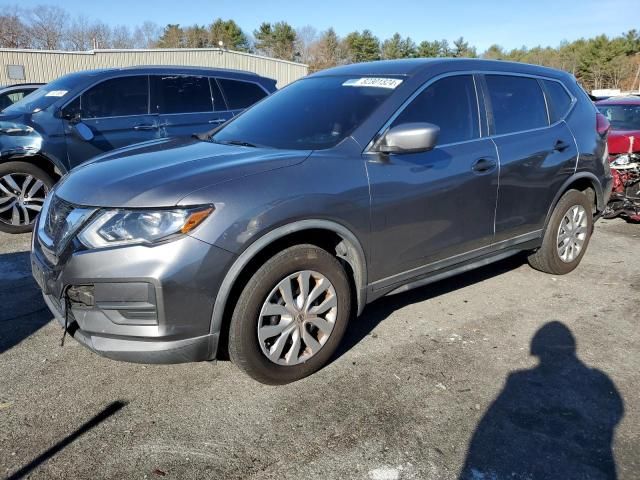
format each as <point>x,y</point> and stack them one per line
<point>124,227</point>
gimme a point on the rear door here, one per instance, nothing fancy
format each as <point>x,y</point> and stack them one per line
<point>537,153</point>
<point>240,94</point>
<point>117,112</point>
<point>187,104</point>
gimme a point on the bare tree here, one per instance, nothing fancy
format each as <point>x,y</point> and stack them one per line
<point>305,39</point>
<point>78,34</point>
<point>146,35</point>
<point>121,37</point>
<point>47,26</point>
<point>13,31</point>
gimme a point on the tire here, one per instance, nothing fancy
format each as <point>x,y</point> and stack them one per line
<point>548,257</point>
<point>249,352</point>
<point>16,174</point>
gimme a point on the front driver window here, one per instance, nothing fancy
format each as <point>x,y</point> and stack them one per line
<point>117,97</point>
<point>449,103</point>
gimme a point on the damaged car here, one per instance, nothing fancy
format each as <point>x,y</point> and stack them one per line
<point>623,113</point>
<point>263,237</point>
<point>84,114</point>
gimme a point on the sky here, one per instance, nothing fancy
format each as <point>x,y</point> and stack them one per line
<point>482,23</point>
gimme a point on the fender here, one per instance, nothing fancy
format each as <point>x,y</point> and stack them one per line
<point>595,183</point>
<point>354,254</point>
<point>8,156</point>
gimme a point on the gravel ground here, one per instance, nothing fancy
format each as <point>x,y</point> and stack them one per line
<point>429,384</point>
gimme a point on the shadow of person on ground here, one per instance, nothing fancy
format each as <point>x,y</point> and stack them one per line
<point>554,421</point>
<point>22,308</point>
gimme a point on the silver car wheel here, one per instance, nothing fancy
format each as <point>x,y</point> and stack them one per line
<point>572,233</point>
<point>297,318</point>
<point>21,198</point>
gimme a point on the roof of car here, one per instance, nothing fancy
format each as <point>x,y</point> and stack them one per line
<point>18,85</point>
<point>627,100</point>
<point>169,69</point>
<point>413,66</point>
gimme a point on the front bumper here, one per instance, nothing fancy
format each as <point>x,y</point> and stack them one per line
<point>139,304</point>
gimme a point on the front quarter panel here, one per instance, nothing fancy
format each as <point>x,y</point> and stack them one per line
<point>330,185</point>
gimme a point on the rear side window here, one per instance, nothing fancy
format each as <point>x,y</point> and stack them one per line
<point>181,94</point>
<point>117,97</point>
<point>218,100</point>
<point>517,103</point>
<point>239,94</point>
<point>449,103</point>
<point>559,99</point>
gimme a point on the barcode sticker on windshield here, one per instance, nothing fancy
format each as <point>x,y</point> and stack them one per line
<point>56,93</point>
<point>378,82</point>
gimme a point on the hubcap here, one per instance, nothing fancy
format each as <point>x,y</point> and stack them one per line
<point>572,233</point>
<point>297,318</point>
<point>21,198</point>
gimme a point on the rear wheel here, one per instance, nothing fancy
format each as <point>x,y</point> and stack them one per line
<point>291,315</point>
<point>567,235</point>
<point>23,188</point>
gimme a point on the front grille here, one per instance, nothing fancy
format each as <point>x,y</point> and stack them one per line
<point>60,222</point>
<point>56,220</point>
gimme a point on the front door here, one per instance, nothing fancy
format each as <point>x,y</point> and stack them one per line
<point>436,205</point>
<point>117,113</point>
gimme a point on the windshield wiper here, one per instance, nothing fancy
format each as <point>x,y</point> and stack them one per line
<point>240,143</point>
<point>208,137</point>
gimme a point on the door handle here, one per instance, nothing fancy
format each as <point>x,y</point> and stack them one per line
<point>560,146</point>
<point>218,120</point>
<point>145,126</point>
<point>484,165</point>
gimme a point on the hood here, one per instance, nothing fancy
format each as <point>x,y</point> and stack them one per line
<point>620,140</point>
<point>162,172</point>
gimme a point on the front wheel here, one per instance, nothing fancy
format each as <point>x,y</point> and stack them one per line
<point>567,235</point>
<point>23,188</point>
<point>291,315</point>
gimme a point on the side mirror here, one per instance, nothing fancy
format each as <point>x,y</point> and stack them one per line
<point>409,138</point>
<point>82,131</point>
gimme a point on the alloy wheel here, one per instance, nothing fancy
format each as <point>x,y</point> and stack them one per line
<point>21,198</point>
<point>572,233</point>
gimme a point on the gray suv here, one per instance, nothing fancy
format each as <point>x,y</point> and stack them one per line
<point>266,235</point>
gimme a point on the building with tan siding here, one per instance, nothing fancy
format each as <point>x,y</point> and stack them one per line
<point>26,66</point>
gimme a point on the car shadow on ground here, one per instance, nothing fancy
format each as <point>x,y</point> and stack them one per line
<point>22,308</point>
<point>554,421</point>
<point>379,310</point>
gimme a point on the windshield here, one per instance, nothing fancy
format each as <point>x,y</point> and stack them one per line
<point>43,97</point>
<point>622,117</point>
<point>311,114</point>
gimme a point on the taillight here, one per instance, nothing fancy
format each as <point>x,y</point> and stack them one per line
<point>602,124</point>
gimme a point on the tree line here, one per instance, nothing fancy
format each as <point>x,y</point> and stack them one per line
<point>598,62</point>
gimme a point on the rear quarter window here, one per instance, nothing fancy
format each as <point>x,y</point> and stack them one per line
<point>517,103</point>
<point>240,94</point>
<point>559,100</point>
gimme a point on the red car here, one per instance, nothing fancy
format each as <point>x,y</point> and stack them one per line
<point>623,114</point>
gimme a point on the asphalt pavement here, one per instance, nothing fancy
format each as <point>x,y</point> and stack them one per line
<point>474,376</point>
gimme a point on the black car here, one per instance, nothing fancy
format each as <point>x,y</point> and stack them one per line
<point>84,114</point>
<point>11,94</point>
